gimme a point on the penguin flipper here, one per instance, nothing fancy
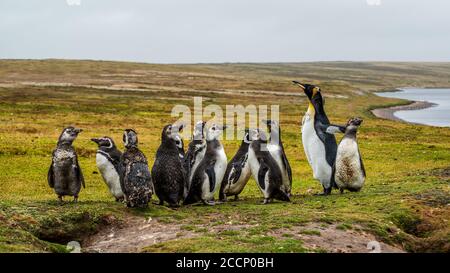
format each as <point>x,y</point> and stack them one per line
<point>80,176</point>
<point>235,173</point>
<point>211,177</point>
<point>332,180</point>
<point>50,176</point>
<point>362,165</point>
<point>262,174</point>
<point>333,129</point>
<point>288,167</point>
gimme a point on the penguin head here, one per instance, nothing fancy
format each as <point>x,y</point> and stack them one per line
<point>353,124</point>
<point>130,138</point>
<point>214,131</point>
<point>312,92</point>
<point>199,130</point>
<point>172,132</point>
<point>247,139</point>
<point>257,134</point>
<point>104,142</point>
<point>272,125</point>
<point>69,134</point>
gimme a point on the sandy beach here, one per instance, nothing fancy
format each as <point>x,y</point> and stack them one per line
<point>388,113</point>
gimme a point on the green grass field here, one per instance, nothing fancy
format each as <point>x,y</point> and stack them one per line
<point>405,201</point>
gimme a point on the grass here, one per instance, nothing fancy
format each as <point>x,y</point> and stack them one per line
<point>405,199</point>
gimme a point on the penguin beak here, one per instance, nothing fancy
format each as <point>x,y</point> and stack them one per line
<point>302,86</point>
<point>224,127</point>
<point>77,130</point>
<point>96,140</point>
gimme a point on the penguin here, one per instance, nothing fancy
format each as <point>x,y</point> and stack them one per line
<point>108,160</point>
<point>135,177</point>
<point>318,137</point>
<point>195,153</point>
<point>348,170</point>
<point>65,175</point>
<point>265,169</point>
<point>276,149</point>
<point>167,172</point>
<point>238,171</point>
<point>210,171</point>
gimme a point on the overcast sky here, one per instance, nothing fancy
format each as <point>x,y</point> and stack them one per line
<point>191,31</point>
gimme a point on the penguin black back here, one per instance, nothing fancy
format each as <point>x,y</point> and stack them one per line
<point>238,171</point>
<point>65,175</point>
<point>265,169</point>
<point>135,177</point>
<point>168,173</point>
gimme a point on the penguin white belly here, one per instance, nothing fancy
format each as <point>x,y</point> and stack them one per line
<point>236,188</point>
<point>110,175</point>
<point>275,151</point>
<point>348,172</point>
<point>315,152</point>
<point>219,169</point>
<point>198,159</point>
<point>254,167</point>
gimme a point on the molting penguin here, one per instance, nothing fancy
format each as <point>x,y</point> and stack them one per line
<point>318,137</point>
<point>265,169</point>
<point>209,173</point>
<point>194,155</point>
<point>238,171</point>
<point>65,175</point>
<point>135,178</point>
<point>108,160</point>
<point>348,171</point>
<point>276,149</point>
<point>168,173</point>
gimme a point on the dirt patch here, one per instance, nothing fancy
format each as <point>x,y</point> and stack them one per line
<point>134,234</point>
<point>337,239</point>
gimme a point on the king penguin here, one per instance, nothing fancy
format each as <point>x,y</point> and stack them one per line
<point>210,171</point>
<point>348,171</point>
<point>276,149</point>
<point>108,160</point>
<point>265,169</point>
<point>65,175</point>
<point>238,171</point>
<point>168,173</point>
<point>135,178</point>
<point>195,153</point>
<point>318,137</point>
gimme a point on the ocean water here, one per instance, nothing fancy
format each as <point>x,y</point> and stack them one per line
<point>438,115</point>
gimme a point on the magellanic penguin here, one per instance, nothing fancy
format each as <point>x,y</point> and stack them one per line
<point>208,175</point>
<point>348,171</point>
<point>238,171</point>
<point>168,174</point>
<point>108,160</point>
<point>265,169</point>
<point>195,153</point>
<point>65,175</point>
<point>318,137</point>
<point>135,178</point>
<point>276,149</point>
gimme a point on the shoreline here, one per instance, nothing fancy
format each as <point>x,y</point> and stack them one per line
<point>388,112</point>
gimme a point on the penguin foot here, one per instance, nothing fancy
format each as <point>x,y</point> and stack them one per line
<point>341,190</point>
<point>236,197</point>
<point>209,203</point>
<point>75,199</point>
<point>266,201</point>
<point>60,199</point>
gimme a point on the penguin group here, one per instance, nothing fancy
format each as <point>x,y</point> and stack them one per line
<point>178,177</point>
